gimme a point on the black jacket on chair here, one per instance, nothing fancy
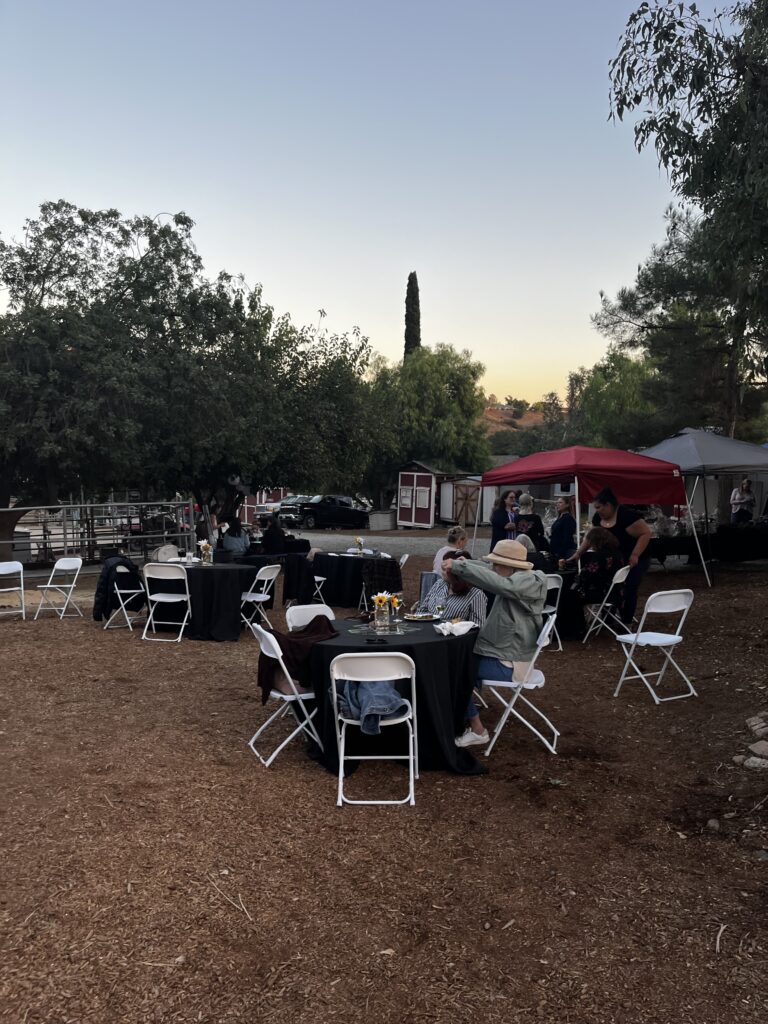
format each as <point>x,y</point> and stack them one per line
<point>104,600</point>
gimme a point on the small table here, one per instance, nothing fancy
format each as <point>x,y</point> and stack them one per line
<point>444,683</point>
<point>214,593</point>
<point>344,576</point>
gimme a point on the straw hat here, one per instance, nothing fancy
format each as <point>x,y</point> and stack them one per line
<point>510,552</point>
<point>525,501</point>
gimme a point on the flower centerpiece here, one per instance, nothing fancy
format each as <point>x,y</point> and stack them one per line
<point>359,543</point>
<point>381,606</point>
<point>395,604</point>
<point>206,551</point>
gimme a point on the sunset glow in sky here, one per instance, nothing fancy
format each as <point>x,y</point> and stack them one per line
<point>326,148</point>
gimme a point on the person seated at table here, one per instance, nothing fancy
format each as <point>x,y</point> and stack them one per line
<point>562,536</point>
<point>273,538</point>
<point>507,642</point>
<point>529,523</point>
<point>236,539</point>
<point>457,541</point>
<point>599,564</point>
<point>456,598</point>
<point>539,561</point>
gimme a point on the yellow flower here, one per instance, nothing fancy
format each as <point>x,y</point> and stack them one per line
<point>394,601</point>
<point>379,601</point>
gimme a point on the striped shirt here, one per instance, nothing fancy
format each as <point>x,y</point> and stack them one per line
<point>469,607</point>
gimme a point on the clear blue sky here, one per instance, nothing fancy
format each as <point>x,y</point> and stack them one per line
<point>326,148</point>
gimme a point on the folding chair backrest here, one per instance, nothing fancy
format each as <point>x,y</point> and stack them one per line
<point>299,615</point>
<point>554,582</point>
<point>164,571</point>
<point>267,642</point>
<point>368,667</point>
<point>668,602</point>
<point>267,575</point>
<point>68,565</point>
<point>620,576</point>
<point>10,568</point>
<point>545,634</point>
<point>404,559</point>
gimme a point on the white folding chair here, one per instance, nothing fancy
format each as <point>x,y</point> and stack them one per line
<point>299,615</point>
<point>251,601</point>
<point>554,582</point>
<point>601,616</point>
<point>427,580</point>
<point>68,569</point>
<point>165,553</point>
<point>164,571</point>
<point>532,680</point>
<point>8,569</point>
<point>295,701</point>
<point>319,581</point>
<point>665,602</point>
<point>362,668</point>
<point>403,560</point>
<point>126,600</point>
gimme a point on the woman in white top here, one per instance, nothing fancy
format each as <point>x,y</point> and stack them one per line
<point>455,598</point>
<point>742,503</point>
<point>457,541</point>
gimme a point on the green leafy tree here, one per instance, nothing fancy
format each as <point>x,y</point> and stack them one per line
<point>504,442</point>
<point>518,406</point>
<point>701,87</point>
<point>412,315</point>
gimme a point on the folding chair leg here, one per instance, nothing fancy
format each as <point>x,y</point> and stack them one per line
<point>477,696</point>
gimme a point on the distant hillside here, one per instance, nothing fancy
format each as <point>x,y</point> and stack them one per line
<point>499,419</point>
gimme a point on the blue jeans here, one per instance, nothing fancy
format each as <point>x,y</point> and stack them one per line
<point>487,668</point>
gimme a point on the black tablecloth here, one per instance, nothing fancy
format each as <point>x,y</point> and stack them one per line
<point>740,543</point>
<point>344,577</point>
<point>661,548</point>
<point>444,681</point>
<point>215,592</point>
<point>570,611</point>
<point>298,577</point>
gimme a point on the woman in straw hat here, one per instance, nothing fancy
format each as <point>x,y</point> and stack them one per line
<point>507,641</point>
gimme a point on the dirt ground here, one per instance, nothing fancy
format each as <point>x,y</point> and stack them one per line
<point>154,871</point>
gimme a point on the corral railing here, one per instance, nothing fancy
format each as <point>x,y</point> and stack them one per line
<point>94,531</point>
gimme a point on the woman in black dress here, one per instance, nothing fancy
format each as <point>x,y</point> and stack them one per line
<point>503,518</point>
<point>562,541</point>
<point>633,534</point>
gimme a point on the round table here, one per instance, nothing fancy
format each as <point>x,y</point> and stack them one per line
<point>344,576</point>
<point>215,592</point>
<point>444,682</point>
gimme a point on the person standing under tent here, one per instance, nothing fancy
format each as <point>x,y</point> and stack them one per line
<point>742,503</point>
<point>504,518</point>
<point>633,534</point>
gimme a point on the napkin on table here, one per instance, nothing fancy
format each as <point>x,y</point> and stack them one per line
<point>455,628</point>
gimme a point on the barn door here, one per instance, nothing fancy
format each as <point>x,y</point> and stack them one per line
<point>466,498</point>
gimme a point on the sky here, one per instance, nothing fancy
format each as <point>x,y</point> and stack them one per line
<point>326,148</point>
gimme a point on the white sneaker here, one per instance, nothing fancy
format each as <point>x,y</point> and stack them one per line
<point>470,738</point>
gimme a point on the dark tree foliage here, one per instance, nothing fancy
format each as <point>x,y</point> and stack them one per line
<point>412,315</point>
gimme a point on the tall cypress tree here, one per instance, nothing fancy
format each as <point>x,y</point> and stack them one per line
<point>412,315</point>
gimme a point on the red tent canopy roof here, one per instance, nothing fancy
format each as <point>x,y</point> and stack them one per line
<point>634,479</point>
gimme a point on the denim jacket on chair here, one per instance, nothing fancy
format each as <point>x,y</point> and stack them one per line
<point>369,702</point>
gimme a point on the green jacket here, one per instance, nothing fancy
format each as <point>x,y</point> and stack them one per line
<point>515,620</point>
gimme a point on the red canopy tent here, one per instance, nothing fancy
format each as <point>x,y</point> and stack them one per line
<point>634,479</point>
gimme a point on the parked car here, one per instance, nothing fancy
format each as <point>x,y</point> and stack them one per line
<point>331,510</point>
<point>289,509</point>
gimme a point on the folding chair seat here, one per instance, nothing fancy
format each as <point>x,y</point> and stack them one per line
<point>295,701</point>
<point>299,615</point>
<point>362,668</point>
<point>157,599</point>
<point>601,616</point>
<point>532,680</point>
<point>664,602</point>
<point>7,570</point>
<point>251,601</point>
<point>68,569</point>
<point>127,589</point>
<point>554,582</point>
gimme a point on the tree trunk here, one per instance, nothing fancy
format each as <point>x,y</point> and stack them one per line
<point>9,517</point>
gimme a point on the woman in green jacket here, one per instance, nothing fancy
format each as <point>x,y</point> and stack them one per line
<point>507,641</point>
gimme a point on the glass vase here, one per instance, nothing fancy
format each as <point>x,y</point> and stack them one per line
<point>381,619</point>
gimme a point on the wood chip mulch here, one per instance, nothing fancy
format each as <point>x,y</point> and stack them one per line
<point>153,870</point>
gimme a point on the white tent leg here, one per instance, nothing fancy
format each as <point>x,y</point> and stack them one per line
<point>477,520</point>
<point>577,510</point>
<point>696,537</point>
